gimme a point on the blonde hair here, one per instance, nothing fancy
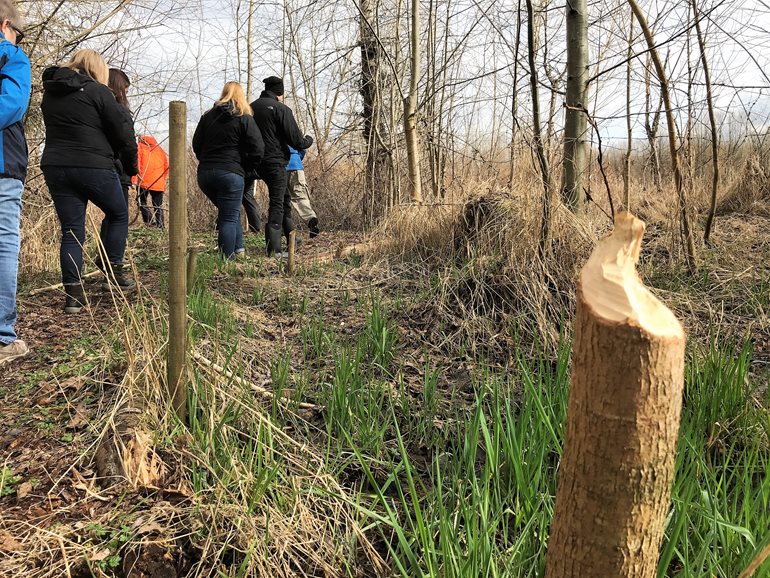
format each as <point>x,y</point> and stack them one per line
<point>89,62</point>
<point>233,92</point>
<point>9,12</point>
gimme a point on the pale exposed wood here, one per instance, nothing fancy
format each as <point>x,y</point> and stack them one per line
<point>242,382</point>
<point>61,285</point>
<point>622,426</point>
<point>756,563</point>
<point>177,247</point>
<point>357,249</point>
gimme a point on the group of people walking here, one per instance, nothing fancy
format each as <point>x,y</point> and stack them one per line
<point>91,154</point>
<point>236,143</point>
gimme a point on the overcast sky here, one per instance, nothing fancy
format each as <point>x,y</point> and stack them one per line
<point>191,56</point>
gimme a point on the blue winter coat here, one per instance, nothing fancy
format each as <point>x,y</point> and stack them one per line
<point>295,160</point>
<point>15,88</point>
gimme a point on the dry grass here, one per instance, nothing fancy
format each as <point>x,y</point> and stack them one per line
<point>491,277</point>
<point>204,517</point>
<point>749,193</point>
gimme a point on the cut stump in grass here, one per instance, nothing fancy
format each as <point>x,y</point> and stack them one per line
<point>125,451</point>
<point>617,466</point>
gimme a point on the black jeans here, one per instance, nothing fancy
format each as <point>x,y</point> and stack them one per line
<point>124,187</point>
<point>154,215</point>
<point>280,197</point>
<point>71,189</point>
<point>251,207</point>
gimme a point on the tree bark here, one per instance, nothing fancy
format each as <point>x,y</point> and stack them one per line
<point>629,124</point>
<point>410,108</point>
<point>712,124</point>
<point>575,121</point>
<point>537,137</point>
<point>684,219</point>
<point>377,176</point>
<point>625,401</point>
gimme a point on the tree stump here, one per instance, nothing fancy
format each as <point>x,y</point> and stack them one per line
<point>627,378</point>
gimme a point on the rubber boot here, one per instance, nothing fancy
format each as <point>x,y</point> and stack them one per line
<point>75,298</point>
<point>312,224</point>
<point>119,278</point>
<point>288,227</point>
<point>273,240</point>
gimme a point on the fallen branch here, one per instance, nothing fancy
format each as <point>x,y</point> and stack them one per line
<point>359,249</point>
<point>93,273</point>
<point>242,382</point>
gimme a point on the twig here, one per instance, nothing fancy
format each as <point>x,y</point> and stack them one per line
<point>242,382</point>
<point>93,273</point>
<point>756,563</point>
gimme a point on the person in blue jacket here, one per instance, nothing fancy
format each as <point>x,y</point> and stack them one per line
<point>300,198</point>
<point>15,87</point>
<point>298,189</point>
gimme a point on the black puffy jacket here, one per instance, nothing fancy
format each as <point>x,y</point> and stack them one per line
<point>279,129</point>
<point>84,124</point>
<point>224,140</point>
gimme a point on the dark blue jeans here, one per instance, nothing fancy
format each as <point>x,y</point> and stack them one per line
<point>251,207</point>
<point>225,190</point>
<point>71,189</point>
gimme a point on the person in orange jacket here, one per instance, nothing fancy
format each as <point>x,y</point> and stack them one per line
<point>151,180</point>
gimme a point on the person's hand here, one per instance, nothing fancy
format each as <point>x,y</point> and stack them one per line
<point>308,141</point>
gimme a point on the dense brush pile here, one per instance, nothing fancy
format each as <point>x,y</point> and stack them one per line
<point>750,193</point>
<point>493,282</point>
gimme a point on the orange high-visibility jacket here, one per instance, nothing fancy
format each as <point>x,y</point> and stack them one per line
<point>153,164</point>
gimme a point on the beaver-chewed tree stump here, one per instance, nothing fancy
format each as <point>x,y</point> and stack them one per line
<point>622,420</point>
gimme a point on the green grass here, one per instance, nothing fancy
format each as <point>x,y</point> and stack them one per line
<point>452,483</point>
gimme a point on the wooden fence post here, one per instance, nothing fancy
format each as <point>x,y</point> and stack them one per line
<point>177,247</point>
<point>292,241</point>
<point>192,264</point>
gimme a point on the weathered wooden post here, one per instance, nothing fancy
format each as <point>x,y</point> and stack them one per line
<point>627,377</point>
<point>192,264</point>
<point>177,247</point>
<point>290,261</point>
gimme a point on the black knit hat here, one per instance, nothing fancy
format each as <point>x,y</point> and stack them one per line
<point>274,85</point>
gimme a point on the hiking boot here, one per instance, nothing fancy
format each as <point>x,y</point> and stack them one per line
<point>312,224</point>
<point>273,240</point>
<point>119,278</point>
<point>12,351</point>
<point>75,298</point>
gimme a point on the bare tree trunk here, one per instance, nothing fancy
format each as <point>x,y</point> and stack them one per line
<point>537,138</point>
<point>410,108</point>
<point>629,126</point>
<point>514,99</point>
<point>249,49</point>
<point>575,121</point>
<point>712,123</point>
<point>689,243</point>
<point>651,124</point>
<point>625,402</point>
<point>376,190</point>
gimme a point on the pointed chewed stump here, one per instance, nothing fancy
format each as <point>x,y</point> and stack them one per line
<point>625,401</point>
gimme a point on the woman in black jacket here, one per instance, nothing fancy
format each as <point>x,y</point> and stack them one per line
<point>126,165</point>
<point>85,131</point>
<point>229,146</point>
